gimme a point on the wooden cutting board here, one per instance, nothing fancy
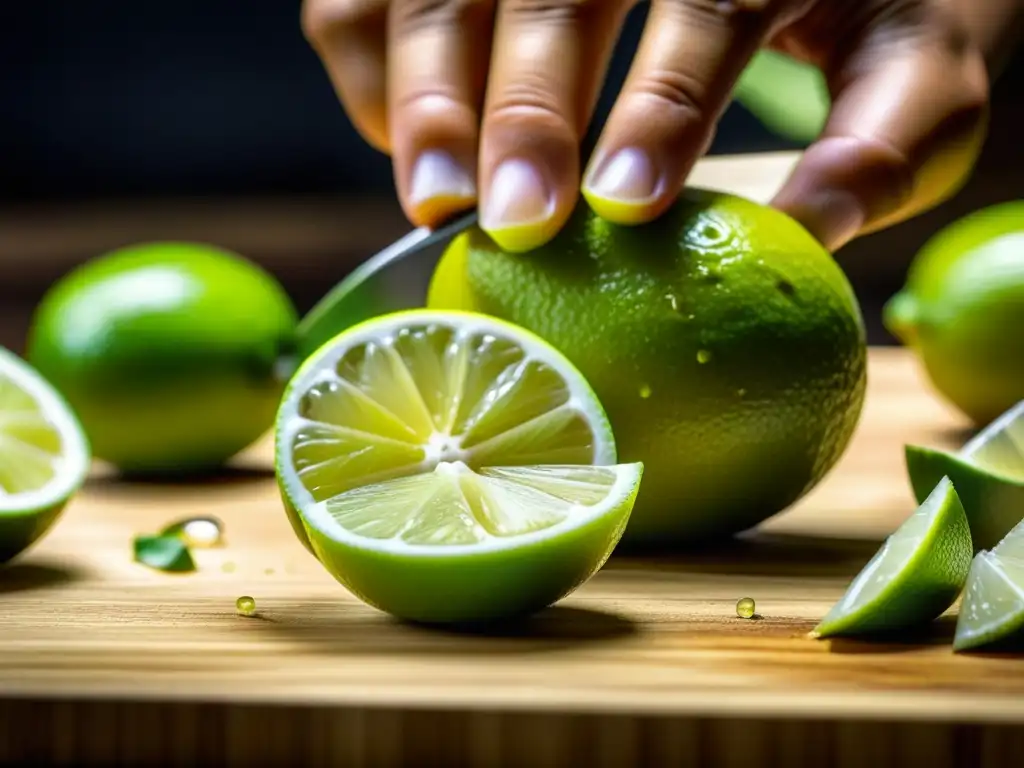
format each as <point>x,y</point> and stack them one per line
<point>102,660</point>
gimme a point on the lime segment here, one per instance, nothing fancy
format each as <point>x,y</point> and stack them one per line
<point>44,455</point>
<point>914,577</point>
<point>988,473</point>
<point>450,467</point>
<point>993,606</point>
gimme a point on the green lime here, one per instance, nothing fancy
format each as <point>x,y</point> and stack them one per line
<point>988,473</point>
<point>963,299</point>
<point>724,342</point>
<point>914,577</point>
<point>44,455</point>
<point>168,352</point>
<point>450,468</point>
<point>992,611</point>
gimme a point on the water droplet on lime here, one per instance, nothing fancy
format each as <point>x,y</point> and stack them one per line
<point>703,356</point>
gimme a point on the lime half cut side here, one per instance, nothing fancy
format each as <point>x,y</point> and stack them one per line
<point>988,472</point>
<point>914,577</point>
<point>44,455</point>
<point>992,611</point>
<point>450,467</point>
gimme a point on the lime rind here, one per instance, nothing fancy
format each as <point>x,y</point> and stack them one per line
<point>27,513</point>
<point>484,582</point>
<point>992,611</point>
<point>914,577</point>
<point>988,473</point>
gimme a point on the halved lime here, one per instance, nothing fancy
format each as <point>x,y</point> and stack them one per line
<point>914,577</point>
<point>988,473</point>
<point>450,467</point>
<point>992,611</point>
<point>44,455</point>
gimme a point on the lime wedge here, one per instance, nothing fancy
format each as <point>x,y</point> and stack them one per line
<point>450,467</point>
<point>914,577</point>
<point>988,473</point>
<point>992,611</point>
<point>44,455</point>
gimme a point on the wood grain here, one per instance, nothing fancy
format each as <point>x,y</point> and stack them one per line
<point>647,663</point>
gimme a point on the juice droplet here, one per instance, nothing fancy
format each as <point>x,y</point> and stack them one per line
<point>246,606</point>
<point>201,532</point>
<point>269,571</point>
<point>645,391</point>
<point>703,356</point>
<point>228,567</point>
<point>745,608</point>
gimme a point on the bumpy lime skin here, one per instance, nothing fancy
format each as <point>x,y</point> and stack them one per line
<point>168,352</point>
<point>927,587</point>
<point>742,330</point>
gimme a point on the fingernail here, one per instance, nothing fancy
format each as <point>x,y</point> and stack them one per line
<point>518,197</point>
<point>629,176</point>
<point>438,178</point>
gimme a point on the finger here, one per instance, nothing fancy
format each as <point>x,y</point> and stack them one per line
<point>906,126</point>
<point>550,58</point>
<point>350,38</point>
<point>691,54</point>
<point>437,71</point>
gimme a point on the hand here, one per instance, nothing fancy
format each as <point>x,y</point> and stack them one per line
<point>471,95</point>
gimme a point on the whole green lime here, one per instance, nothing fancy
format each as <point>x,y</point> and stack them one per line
<point>170,353</point>
<point>724,342</point>
<point>962,311</point>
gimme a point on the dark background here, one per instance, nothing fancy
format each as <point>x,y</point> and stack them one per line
<point>212,119</point>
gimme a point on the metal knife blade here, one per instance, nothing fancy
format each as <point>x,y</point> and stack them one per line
<point>395,278</point>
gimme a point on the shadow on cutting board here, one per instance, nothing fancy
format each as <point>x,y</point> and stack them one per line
<point>938,632</point>
<point>759,554</point>
<point>107,479</point>
<point>21,577</point>
<point>553,629</point>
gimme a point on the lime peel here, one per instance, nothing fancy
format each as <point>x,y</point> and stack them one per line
<point>914,577</point>
<point>988,472</point>
<point>45,455</point>
<point>992,610</point>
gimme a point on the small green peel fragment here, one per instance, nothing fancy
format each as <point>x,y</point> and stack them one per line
<point>163,553</point>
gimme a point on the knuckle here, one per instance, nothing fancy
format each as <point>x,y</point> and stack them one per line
<point>560,10</point>
<point>415,13</point>
<point>674,92</point>
<point>530,111</point>
<point>725,13</point>
<point>323,19</point>
<point>526,100</point>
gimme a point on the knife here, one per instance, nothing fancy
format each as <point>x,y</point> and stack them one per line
<point>395,278</point>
